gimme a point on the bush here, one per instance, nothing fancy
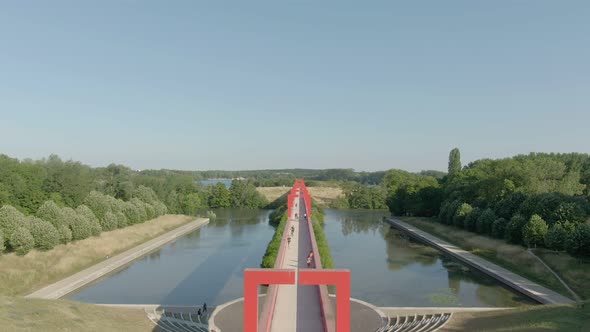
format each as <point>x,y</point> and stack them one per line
<point>65,233</point>
<point>160,208</point>
<point>121,220</point>
<point>11,219</point>
<point>140,209</point>
<point>99,204</point>
<point>579,241</point>
<point>2,246</point>
<point>471,219</point>
<point>50,212</point>
<point>558,235</point>
<point>513,232</point>
<point>533,233</point>
<point>498,228</point>
<point>484,223</point>
<point>78,224</point>
<point>149,211</point>
<point>110,222</point>
<point>44,233</point>
<point>132,213</point>
<point>463,211</point>
<point>21,241</point>
<point>146,195</point>
<point>93,223</point>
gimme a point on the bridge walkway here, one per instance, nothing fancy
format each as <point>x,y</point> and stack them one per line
<point>298,307</point>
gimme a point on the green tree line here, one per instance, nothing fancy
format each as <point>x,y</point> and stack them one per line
<point>537,200</point>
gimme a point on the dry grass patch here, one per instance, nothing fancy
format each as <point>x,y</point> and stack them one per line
<point>512,257</point>
<point>272,193</point>
<point>19,314</point>
<point>20,275</point>
<point>575,271</point>
<point>324,196</point>
<point>559,318</point>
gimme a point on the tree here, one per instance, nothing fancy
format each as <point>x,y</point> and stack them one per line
<point>11,219</point>
<point>462,212</point>
<point>78,224</point>
<point>93,223</point>
<point>470,222</point>
<point>50,212</point>
<point>99,204</point>
<point>513,232</point>
<point>44,233</point>
<point>557,236</point>
<point>454,162</point>
<point>218,196</point>
<point>579,241</point>
<point>21,241</point>
<point>534,231</point>
<point>132,213</point>
<point>140,209</point>
<point>2,246</point>
<point>485,221</point>
<point>121,220</point>
<point>110,221</point>
<point>499,227</point>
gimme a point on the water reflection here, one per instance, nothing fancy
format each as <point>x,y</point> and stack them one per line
<point>390,269</point>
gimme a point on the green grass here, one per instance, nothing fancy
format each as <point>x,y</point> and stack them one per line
<point>512,257</point>
<point>320,238</point>
<point>558,318</point>
<point>19,314</point>
<point>272,250</point>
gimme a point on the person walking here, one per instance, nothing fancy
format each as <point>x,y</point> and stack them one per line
<point>289,242</point>
<point>204,307</point>
<point>308,262</point>
<point>292,230</point>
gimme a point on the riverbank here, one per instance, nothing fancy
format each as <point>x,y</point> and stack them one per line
<point>20,314</point>
<point>527,287</point>
<point>574,271</point>
<point>84,277</point>
<point>20,275</point>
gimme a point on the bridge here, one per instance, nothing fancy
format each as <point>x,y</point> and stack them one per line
<point>297,298</point>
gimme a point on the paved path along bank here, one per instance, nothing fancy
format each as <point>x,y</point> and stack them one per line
<point>71,283</point>
<point>513,280</point>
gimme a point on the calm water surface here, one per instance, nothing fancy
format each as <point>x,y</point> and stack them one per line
<point>388,269</point>
<point>204,266</point>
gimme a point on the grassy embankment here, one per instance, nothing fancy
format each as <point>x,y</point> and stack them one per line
<point>19,314</point>
<point>575,272</point>
<point>278,219</point>
<point>323,196</point>
<point>20,275</point>
<point>558,318</point>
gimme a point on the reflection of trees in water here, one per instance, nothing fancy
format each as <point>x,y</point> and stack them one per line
<point>402,251</point>
<point>350,224</point>
<point>154,256</point>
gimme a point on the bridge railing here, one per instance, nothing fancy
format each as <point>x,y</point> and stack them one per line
<point>328,318</point>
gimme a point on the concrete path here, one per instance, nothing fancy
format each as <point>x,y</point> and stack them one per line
<point>513,280</point>
<point>297,307</point>
<point>70,284</point>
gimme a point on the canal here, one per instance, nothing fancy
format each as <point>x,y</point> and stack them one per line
<point>387,268</point>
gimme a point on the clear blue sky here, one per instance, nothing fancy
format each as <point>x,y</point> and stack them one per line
<point>220,85</point>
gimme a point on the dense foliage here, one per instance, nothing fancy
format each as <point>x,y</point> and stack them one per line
<point>536,200</point>
<point>53,224</point>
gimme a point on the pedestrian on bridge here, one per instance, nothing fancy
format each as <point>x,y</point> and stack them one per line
<point>292,230</point>
<point>289,242</point>
<point>308,262</point>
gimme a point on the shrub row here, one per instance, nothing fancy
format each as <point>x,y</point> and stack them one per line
<point>53,225</point>
<point>521,228</point>
<point>272,250</point>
